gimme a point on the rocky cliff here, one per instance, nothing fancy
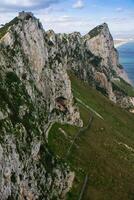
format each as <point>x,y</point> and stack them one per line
<point>100,42</point>
<point>94,59</point>
<point>35,91</point>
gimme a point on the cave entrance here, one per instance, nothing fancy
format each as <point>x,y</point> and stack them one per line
<point>61,103</point>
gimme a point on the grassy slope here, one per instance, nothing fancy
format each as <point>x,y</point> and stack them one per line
<point>100,150</point>
<point>125,87</point>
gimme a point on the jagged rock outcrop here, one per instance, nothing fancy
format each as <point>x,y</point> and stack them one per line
<point>35,91</point>
<point>94,59</point>
<point>100,42</point>
<point>33,62</point>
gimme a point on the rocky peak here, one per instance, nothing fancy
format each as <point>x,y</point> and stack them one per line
<point>36,92</point>
<point>25,15</point>
<point>48,74</point>
<point>100,43</point>
<point>98,30</point>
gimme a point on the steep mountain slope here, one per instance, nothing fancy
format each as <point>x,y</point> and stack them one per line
<point>33,93</point>
<point>104,150</point>
<point>100,42</point>
<point>37,96</point>
<point>94,59</point>
<point>24,51</point>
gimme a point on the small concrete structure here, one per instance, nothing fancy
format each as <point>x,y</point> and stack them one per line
<point>24,15</point>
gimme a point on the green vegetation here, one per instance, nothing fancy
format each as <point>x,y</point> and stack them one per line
<point>13,95</point>
<point>105,150</point>
<point>100,89</point>
<point>4,29</point>
<point>123,86</point>
<point>120,66</point>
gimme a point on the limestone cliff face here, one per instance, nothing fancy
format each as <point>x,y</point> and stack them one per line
<point>33,61</point>
<point>100,42</point>
<point>35,90</point>
<point>92,58</point>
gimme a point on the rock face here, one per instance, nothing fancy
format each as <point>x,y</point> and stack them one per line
<point>100,43</point>
<point>94,59</point>
<point>36,91</point>
<point>33,61</point>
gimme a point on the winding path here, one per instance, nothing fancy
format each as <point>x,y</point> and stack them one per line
<point>83,187</point>
<point>79,132</point>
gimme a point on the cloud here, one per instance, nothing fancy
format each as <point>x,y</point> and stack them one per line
<point>115,20</point>
<point>59,19</point>
<point>119,9</point>
<point>56,14</point>
<point>94,5</point>
<point>10,8</point>
<point>65,23</point>
<point>79,4</point>
<point>104,18</point>
<point>24,3</point>
<point>13,5</point>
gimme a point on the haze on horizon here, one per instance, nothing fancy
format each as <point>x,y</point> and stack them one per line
<point>75,15</point>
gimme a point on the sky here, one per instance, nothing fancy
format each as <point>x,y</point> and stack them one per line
<point>75,15</point>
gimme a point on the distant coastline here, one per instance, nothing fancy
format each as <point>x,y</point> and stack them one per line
<point>126,53</point>
<point>120,42</point>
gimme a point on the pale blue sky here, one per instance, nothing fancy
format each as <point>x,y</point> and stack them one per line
<point>75,15</point>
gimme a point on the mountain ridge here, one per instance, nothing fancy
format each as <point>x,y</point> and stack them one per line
<point>36,92</point>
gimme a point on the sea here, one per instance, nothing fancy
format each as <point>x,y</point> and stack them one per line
<point>126,56</point>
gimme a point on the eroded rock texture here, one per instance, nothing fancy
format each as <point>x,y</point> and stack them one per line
<point>35,90</point>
